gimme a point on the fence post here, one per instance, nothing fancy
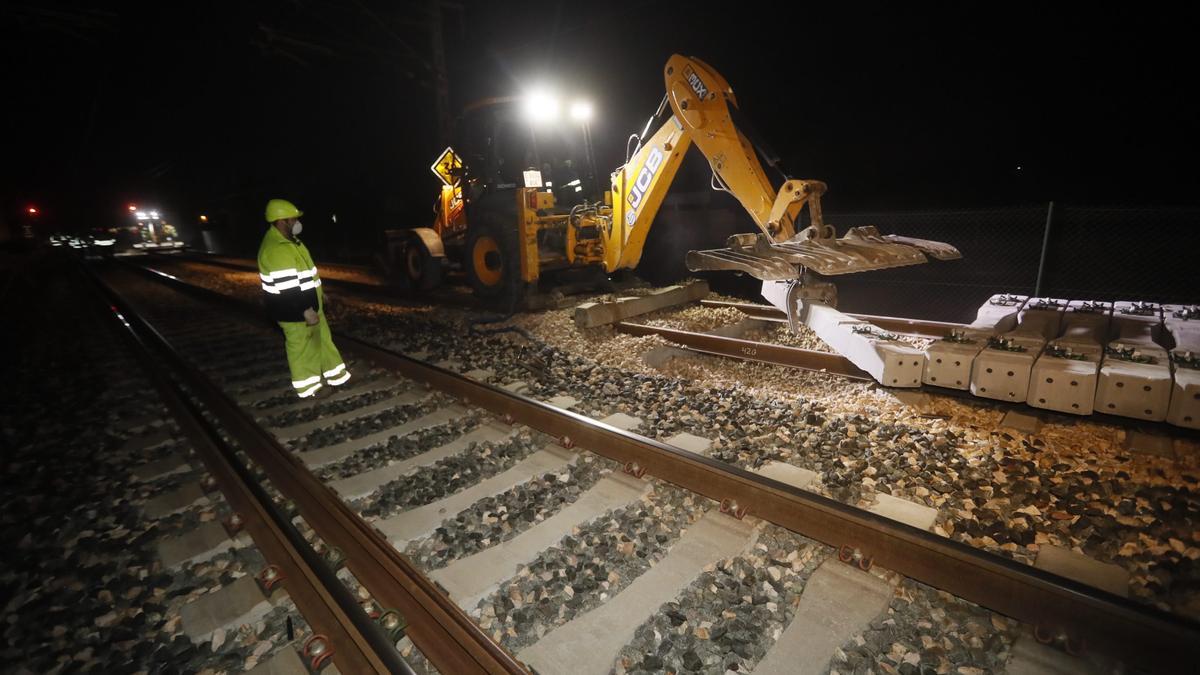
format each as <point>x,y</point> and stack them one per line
<point>1037,287</point>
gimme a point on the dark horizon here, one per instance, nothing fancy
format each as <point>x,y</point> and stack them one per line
<point>215,108</point>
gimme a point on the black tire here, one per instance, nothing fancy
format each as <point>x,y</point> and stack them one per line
<point>423,271</point>
<point>493,261</point>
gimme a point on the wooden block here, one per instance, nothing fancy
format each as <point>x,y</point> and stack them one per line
<point>592,314</point>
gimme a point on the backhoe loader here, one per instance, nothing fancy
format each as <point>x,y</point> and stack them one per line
<point>511,213</point>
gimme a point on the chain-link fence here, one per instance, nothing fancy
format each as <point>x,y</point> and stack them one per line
<point>1127,254</point>
<point>1074,253</point>
<point>1069,252</point>
<point>1000,250</point>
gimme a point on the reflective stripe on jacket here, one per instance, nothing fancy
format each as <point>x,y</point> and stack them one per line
<point>289,277</point>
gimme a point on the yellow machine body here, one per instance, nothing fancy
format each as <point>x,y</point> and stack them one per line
<point>611,234</point>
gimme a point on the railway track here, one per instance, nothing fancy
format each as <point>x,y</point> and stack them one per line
<point>114,488</point>
<point>443,633</point>
<point>359,420</point>
<point>324,602</point>
<point>1144,434</point>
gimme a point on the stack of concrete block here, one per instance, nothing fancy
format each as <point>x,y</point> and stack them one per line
<point>1135,376</point>
<point>1002,369</point>
<point>948,361</point>
<point>1182,323</point>
<point>1064,377</point>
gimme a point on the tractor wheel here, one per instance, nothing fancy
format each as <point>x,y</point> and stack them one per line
<point>423,271</point>
<point>493,262</point>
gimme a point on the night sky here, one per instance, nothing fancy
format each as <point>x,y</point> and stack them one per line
<point>214,107</point>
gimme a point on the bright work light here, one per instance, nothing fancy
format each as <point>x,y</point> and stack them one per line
<point>581,111</point>
<point>541,106</point>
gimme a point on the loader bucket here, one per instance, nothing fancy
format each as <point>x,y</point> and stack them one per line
<point>862,249</point>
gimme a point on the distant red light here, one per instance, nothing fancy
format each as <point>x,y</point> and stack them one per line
<point>132,207</point>
<point>32,210</point>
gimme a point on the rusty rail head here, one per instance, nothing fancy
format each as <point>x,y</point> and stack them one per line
<point>918,327</point>
<point>1152,638</point>
<point>795,357</point>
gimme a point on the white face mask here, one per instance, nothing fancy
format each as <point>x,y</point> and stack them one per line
<point>297,227</point>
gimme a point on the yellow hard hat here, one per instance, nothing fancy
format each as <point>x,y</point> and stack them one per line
<point>278,209</point>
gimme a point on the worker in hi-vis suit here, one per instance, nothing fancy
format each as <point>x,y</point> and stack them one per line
<point>294,298</point>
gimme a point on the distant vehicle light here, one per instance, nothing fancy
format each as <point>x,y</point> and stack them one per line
<point>204,219</point>
<point>132,208</point>
<point>32,210</point>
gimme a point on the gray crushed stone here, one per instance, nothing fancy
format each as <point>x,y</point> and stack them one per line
<point>452,474</point>
<point>399,448</point>
<point>587,567</point>
<point>501,517</point>
<point>731,615</point>
<point>929,631</point>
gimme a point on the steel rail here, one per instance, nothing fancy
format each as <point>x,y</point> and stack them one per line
<point>322,599</point>
<point>248,264</point>
<point>749,350</point>
<point>918,327</point>
<point>357,286</point>
<point>443,632</point>
<point>392,294</point>
<point>1145,635</point>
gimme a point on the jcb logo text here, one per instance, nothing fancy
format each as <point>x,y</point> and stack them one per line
<point>644,177</point>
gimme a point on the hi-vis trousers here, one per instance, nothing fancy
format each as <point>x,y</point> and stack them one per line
<point>312,356</point>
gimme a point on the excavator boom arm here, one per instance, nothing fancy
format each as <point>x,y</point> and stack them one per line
<point>703,101</point>
<point>705,113</point>
<point>703,109</point>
